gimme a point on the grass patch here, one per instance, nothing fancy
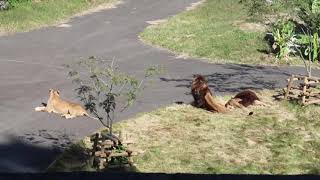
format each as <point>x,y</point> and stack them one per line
<point>283,139</point>
<point>210,31</point>
<point>35,14</point>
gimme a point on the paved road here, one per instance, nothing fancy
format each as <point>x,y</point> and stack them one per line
<point>30,64</point>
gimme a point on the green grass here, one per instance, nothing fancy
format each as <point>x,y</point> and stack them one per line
<point>209,31</point>
<point>282,139</point>
<point>31,15</point>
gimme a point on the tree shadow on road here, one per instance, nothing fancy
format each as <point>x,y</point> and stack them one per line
<point>236,78</point>
<point>34,151</point>
<point>20,156</point>
<point>57,140</point>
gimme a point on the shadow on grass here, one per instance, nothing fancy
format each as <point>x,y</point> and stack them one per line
<point>78,158</point>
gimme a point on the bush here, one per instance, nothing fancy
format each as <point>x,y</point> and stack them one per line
<point>309,13</point>
<point>283,33</point>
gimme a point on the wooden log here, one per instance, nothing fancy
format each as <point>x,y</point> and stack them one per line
<point>111,137</point>
<point>107,146</point>
<point>309,78</point>
<point>304,91</point>
<point>128,142</point>
<point>100,154</point>
<point>107,142</point>
<point>118,166</point>
<point>313,82</point>
<point>311,94</point>
<point>298,76</point>
<point>103,155</point>
<point>129,152</point>
<point>97,153</point>
<point>130,160</point>
<point>296,88</point>
<point>102,163</point>
<point>288,88</point>
<point>108,153</point>
<point>95,144</point>
<point>317,101</point>
<point>315,95</point>
<point>293,96</point>
<point>294,79</point>
<point>122,154</point>
<point>313,79</point>
<point>313,85</point>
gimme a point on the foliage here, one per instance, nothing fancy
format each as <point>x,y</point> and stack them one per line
<point>283,32</point>
<point>308,48</point>
<point>100,85</point>
<point>309,13</point>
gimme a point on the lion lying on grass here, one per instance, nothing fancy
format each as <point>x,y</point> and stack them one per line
<point>203,98</point>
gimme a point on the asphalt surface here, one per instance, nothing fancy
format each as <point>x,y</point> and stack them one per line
<point>30,64</point>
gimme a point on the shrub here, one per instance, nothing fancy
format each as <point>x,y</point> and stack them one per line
<point>283,33</point>
<point>309,13</point>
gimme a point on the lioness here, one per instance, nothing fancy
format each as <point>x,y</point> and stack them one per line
<point>244,99</point>
<point>67,109</point>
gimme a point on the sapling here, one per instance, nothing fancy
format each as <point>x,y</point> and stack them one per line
<point>101,85</point>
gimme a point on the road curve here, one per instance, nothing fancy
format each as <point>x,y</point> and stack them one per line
<point>30,64</point>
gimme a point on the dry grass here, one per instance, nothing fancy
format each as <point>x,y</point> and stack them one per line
<point>283,139</point>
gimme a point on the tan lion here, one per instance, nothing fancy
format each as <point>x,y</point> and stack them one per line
<point>67,109</point>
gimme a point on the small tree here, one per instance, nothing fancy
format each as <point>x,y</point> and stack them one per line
<point>100,85</point>
<point>308,48</point>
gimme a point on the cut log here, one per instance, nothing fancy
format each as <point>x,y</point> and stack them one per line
<point>119,166</point>
<point>304,91</point>
<point>128,142</point>
<point>107,142</point>
<point>288,88</point>
<point>122,154</point>
<point>95,144</point>
<point>309,78</point>
<point>317,101</point>
<point>293,96</point>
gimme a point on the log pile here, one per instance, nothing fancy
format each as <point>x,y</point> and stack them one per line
<point>304,89</point>
<point>106,150</point>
